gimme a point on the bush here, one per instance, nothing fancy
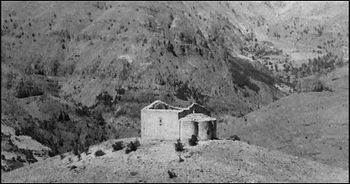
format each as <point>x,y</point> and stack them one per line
<point>99,153</point>
<point>105,98</point>
<point>132,146</point>
<point>172,174</point>
<point>234,138</point>
<point>118,146</point>
<point>72,167</point>
<point>63,116</point>
<point>193,140</point>
<point>179,146</point>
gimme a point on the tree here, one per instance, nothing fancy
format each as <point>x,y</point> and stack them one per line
<point>55,66</point>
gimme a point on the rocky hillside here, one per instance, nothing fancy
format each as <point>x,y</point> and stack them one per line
<point>210,161</point>
<point>163,50</point>
<point>77,73</point>
<point>313,125</point>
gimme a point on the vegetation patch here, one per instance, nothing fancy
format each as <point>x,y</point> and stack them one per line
<point>193,141</point>
<point>99,153</point>
<point>234,138</point>
<point>179,146</point>
<point>132,146</point>
<point>28,88</point>
<point>118,146</point>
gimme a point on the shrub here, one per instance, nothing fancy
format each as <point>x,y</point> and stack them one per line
<point>179,146</point>
<point>193,140</point>
<point>172,174</point>
<point>118,146</point>
<point>105,98</point>
<point>234,138</point>
<point>132,146</point>
<point>72,167</point>
<point>99,153</point>
<point>63,116</point>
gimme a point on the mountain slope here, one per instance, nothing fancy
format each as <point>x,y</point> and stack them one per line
<point>77,73</point>
<point>162,47</point>
<point>313,125</point>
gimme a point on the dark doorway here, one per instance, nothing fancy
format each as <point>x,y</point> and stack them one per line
<point>195,130</point>
<point>210,131</point>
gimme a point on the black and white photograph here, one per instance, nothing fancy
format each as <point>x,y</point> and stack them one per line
<point>174,91</point>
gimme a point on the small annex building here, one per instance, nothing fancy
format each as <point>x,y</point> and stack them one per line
<point>161,121</point>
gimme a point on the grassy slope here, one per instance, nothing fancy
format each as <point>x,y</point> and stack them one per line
<point>213,161</point>
<point>313,125</point>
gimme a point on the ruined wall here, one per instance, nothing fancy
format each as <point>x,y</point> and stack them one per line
<point>188,128</point>
<point>196,108</point>
<point>159,124</point>
<point>205,130</point>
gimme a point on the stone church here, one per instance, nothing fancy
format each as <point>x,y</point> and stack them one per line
<point>160,121</point>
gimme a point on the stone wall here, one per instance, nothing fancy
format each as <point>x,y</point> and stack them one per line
<point>205,130</point>
<point>159,124</point>
<point>188,128</point>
